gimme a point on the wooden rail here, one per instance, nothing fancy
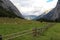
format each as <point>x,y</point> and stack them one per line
<point>34,31</point>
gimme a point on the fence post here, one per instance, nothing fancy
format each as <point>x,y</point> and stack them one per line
<point>34,30</point>
<point>0,37</point>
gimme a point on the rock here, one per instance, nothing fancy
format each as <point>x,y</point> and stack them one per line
<point>6,4</point>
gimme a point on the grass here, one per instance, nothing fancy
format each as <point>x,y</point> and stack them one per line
<point>51,34</point>
<point>10,25</point>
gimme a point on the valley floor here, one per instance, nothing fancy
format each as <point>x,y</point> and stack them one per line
<point>14,25</point>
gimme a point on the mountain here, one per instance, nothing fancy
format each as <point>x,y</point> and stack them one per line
<point>45,9</point>
<point>58,10</point>
<point>54,14</point>
<point>8,9</point>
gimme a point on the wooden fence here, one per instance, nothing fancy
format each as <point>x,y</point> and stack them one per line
<point>34,31</point>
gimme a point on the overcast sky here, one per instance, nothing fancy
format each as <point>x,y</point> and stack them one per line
<point>34,7</point>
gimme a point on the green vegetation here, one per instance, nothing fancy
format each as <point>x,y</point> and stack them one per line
<point>16,24</point>
<point>51,34</point>
<point>10,25</point>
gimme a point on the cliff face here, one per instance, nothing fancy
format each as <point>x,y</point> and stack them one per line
<point>58,9</point>
<point>54,14</point>
<point>6,4</point>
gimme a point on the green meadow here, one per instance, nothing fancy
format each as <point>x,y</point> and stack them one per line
<point>14,25</point>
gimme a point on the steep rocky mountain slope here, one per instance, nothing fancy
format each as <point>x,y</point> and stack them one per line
<point>8,9</point>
